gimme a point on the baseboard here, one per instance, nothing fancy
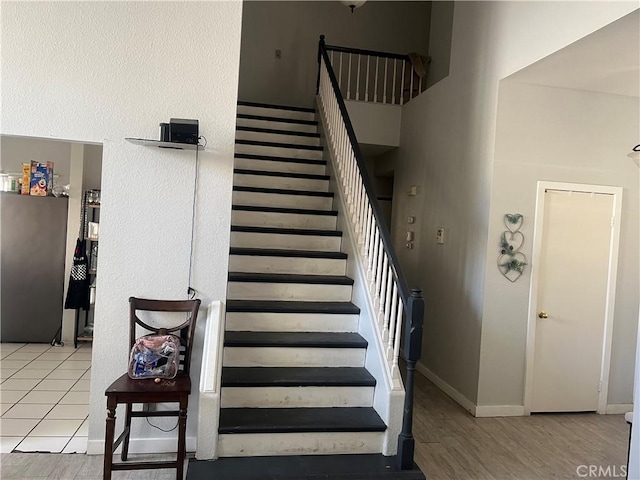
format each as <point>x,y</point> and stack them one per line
<point>464,402</point>
<point>619,408</point>
<point>144,445</point>
<point>499,411</point>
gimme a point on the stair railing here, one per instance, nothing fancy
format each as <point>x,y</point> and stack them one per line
<point>393,301</point>
<point>371,76</point>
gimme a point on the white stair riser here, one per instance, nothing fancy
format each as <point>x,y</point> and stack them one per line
<point>279,151</point>
<point>275,112</point>
<point>317,243</point>
<point>306,292</point>
<point>296,397</point>
<point>277,137</point>
<point>259,199</point>
<point>293,357</point>
<point>302,266</point>
<point>313,443</point>
<point>275,166</point>
<point>274,125</point>
<point>291,322</point>
<point>268,181</point>
<point>283,220</point>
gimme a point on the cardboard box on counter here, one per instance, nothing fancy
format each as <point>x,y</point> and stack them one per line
<point>41,179</point>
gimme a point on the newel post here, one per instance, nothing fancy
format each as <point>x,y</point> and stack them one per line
<point>413,351</point>
<point>320,48</point>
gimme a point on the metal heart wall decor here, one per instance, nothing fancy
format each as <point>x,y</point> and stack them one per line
<point>511,262</point>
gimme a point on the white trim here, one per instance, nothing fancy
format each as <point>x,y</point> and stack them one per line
<point>499,411</point>
<point>619,408</point>
<point>144,445</point>
<point>455,395</point>
<point>611,285</point>
<point>209,388</point>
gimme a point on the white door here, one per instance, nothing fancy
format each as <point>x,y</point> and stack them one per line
<point>573,279</point>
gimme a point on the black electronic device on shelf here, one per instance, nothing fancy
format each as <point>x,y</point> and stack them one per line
<point>182,130</point>
<point>178,134</point>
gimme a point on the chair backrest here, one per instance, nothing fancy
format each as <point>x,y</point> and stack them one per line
<point>185,329</point>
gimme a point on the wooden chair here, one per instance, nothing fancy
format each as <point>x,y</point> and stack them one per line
<point>128,391</point>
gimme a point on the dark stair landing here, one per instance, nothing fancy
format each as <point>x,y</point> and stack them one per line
<point>303,467</point>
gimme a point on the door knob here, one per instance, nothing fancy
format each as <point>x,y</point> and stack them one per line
<point>543,314</point>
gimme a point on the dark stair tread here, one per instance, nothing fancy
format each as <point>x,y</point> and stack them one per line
<point>283,306</point>
<point>276,107</point>
<point>269,173</point>
<point>277,131</point>
<point>273,252</point>
<point>279,145</point>
<point>294,339</point>
<point>301,211</point>
<point>303,467</point>
<point>291,420</point>
<point>289,278</point>
<point>297,377</point>
<point>281,191</point>
<point>271,158</point>
<point>286,231</point>
<point>267,118</point>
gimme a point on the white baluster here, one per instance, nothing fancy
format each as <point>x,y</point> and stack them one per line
<point>367,231</point>
<point>366,91</point>
<point>375,86</point>
<point>384,92</point>
<point>411,88</point>
<point>393,92</point>
<point>396,342</point>
<point>383,290</point>
<point>392,322</point>
<point>387,304</point>
<point>404,66</point>
<point>358,80</point>
<point>340,73</point>
<point>379,268</point>
<point>349,80</point>
<point>373,251</point>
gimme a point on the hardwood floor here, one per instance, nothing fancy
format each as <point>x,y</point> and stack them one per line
<point>450,444</point>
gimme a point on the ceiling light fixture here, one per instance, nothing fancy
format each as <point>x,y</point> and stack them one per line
<point>635,155</point>
<point>353,4</point>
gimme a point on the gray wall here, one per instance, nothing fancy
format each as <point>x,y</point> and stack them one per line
<point>14,151</point>
<point>294,27</point>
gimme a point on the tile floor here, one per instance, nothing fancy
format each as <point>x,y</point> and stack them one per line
<point>44,397</point>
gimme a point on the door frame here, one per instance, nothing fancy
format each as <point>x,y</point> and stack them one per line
<point>605,362</point>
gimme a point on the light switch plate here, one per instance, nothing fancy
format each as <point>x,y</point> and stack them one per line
<point>440,235</point>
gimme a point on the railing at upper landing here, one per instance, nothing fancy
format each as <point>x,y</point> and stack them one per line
<point>397,307</point>
<point>378,77</point>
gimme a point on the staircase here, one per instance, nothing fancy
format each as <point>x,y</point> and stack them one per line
<point>293,377</point>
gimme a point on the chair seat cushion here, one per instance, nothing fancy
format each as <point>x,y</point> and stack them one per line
<point>173,387</point>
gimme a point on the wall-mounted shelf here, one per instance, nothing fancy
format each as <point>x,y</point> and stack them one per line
<point>157,143</point>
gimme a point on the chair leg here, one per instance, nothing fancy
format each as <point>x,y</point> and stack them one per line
<point>182,434</point>
<point>108,438</point>
<point>127,426</point>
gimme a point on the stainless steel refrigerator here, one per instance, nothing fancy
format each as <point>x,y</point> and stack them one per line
<point>33,242</point>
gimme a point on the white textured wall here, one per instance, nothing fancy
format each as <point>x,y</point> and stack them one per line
<point>295,27</point>
<point>447,147</point>
<point>102,71</point>
<point>563,135</point>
